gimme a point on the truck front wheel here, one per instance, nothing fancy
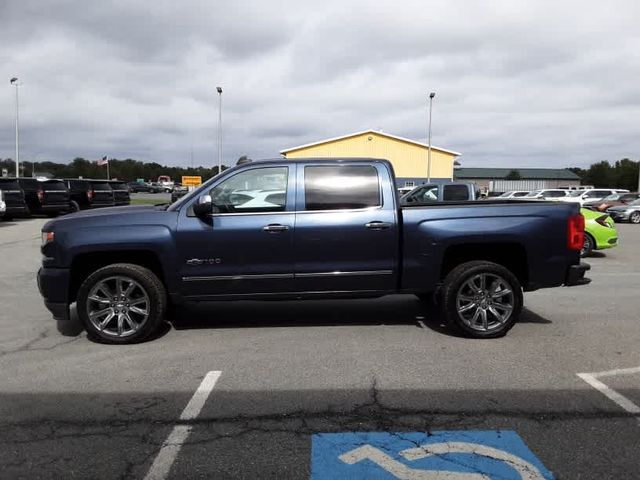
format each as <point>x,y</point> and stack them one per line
<point>481,299</point>
<point>121,303</point>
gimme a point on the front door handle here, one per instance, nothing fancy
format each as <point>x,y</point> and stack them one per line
<point>378,225</point>
<point>275,227</point>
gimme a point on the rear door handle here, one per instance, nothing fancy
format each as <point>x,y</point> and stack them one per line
<point>377,225</point>
<point>275,227</point>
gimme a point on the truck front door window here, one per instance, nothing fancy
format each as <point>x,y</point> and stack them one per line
<point>255,190</point>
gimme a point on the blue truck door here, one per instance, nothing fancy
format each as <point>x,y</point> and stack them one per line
<point>346,236</point>
<point>246,247</point>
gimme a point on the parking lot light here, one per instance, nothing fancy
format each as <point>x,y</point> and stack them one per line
<point>14,81</point>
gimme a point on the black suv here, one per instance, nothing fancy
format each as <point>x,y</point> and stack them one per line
<point>120,193</point>
<point>13,198</point>
<point>86,194</point>
<point>50,197</point>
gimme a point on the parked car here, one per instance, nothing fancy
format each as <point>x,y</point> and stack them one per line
<point>85,194</point>
<point>339,233</point>
<point>136,187</point>
<point>440,192</point>
<point>612,200</point>
<point>599,232</point>
<point>626,213</point>
<point>120,193</point>
<point>545,194</point>
<point>591,195</point>
<point>3,206</point>
<point>178,192</point>
<point>155,187</point>
<point>45,196</point>
<point>514,194</point>
<point>13,198</point>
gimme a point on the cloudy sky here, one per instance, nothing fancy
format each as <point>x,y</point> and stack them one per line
<point>531,83</point>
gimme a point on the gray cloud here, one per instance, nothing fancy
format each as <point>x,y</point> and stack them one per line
<point>518,83</point>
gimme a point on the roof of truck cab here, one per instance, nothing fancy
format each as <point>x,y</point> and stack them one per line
<point>318,159</point>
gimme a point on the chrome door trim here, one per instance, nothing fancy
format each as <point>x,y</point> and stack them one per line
<point>274,276</point>
<point>344,274</point>
<point>267,276</point>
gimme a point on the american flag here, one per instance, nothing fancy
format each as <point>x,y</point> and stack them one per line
<point>103,161</point>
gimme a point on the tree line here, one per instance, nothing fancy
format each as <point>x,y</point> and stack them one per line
<point>128,170</point>
<point>622,174</point>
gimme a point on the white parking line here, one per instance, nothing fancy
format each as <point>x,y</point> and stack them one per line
<point>610,393</point>
<point>178,436</point>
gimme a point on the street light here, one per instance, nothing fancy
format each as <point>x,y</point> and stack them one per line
<point>14,81</point>
<point>431,95</point>
<point>219,89</point>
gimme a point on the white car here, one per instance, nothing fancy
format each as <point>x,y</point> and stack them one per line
<point>546,194</point>
<point>252,199</point>
<point>514,194</point>
<point>591,195</point>
<point>3,206</point>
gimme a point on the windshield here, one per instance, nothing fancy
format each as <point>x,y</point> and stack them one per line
<point>9,185</point>
<point>635,202</point>
<point>505,194</point>
<point>577,193</point>
<point>613,196</point>
<point>535,193</point>
<point>54,185</point>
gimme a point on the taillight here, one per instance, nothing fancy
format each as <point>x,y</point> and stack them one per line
<point>40,196</point>
<point>90,194</point>
<point>575,232</point>
<point>602,220</point>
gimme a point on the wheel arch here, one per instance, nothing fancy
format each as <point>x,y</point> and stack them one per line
<point>84,264</point>
<point>510,255</point>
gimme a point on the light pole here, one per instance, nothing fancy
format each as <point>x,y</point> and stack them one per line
<point>219,89</point>
<point>14,81</point>
<point>431,95</point>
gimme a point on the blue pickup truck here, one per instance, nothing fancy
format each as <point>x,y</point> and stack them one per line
<point>312,228</point>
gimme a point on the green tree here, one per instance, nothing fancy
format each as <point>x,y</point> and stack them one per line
<point>513,175</point>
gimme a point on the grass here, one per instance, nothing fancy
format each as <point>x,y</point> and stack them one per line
<point>147,201</point>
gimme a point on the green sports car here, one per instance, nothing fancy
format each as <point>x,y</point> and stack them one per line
<point>599,232</point>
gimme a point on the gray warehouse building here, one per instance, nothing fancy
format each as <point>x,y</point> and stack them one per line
<point>495,179</point>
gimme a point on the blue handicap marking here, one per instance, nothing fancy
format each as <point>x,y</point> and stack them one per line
<point>451,455</point>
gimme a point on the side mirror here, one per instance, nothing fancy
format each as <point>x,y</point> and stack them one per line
<point>204,206</point>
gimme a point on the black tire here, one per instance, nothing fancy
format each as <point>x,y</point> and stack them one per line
<point>146,280</point>
<point>588,246</point>
<point>634,218</point>
<point>455,283</point>
<point>73,206</point>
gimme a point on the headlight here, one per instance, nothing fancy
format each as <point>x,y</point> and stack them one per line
<point>47,237</point>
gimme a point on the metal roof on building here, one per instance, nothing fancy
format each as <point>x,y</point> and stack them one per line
<point>376,132</point>
<point>525,173</point>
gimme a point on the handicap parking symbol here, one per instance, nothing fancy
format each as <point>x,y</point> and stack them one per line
<point>450,455</point>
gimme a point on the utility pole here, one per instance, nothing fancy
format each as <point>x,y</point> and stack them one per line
<point>219,89</point>
<point>14,81</point>
<point>431,95</point>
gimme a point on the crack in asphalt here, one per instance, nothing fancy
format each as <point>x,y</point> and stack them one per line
<point>28,346</point>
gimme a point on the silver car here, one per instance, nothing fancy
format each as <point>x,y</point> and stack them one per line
<point>3,206</point>
<point>626,213</point>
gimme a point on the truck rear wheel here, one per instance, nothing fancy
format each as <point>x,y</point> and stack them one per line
<point>121,303</point>
<point>481,299</point>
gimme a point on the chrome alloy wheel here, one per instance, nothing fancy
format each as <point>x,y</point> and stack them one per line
<point>485,302</point>
<point>118,306</point>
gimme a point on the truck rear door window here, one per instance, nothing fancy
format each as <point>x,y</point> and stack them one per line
<point>455,193</point>
<point>340,187</point>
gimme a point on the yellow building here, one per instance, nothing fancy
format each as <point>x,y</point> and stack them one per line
<point>408,157</point>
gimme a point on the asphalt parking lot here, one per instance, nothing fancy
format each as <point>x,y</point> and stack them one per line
<point>284,373</point>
